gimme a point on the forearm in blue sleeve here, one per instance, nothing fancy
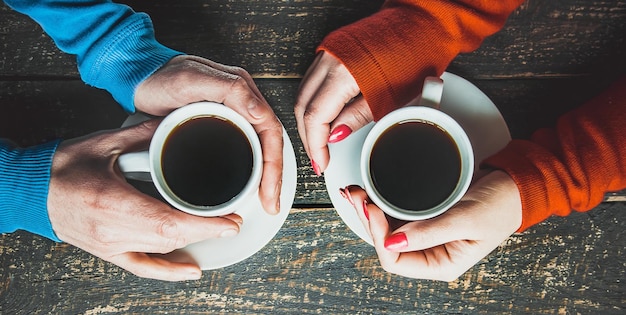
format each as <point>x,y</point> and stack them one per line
<point>114,46</point>
<point>24,181</point>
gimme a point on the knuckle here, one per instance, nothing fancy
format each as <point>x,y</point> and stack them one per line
<point>101,237</point>
<point>238,71</point>
<point>169,229</point>
<point>362,116</point>
<point>309,117</point>
<point>238,84</point>
<point>145,127</point>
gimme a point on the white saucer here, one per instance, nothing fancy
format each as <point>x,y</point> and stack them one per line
<point>258,227</point>
<point>462,100</point>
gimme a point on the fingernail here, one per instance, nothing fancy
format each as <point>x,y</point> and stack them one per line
<point>339,133</point>
<point>397,242</point>
<point>229,233</point>
<point>316,168</point>
<point>365,212</point>
<point>345,193</point>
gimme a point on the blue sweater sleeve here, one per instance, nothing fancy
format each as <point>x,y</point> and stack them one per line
<point>24,180</point>
<point>115,50</point>
<point>115,47</point>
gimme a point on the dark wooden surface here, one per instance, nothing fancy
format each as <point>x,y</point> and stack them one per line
<point>551,56</point>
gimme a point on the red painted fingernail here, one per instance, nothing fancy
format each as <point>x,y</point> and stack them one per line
<point>339,133</point>
<point>316,168</point>
<point>365,212</point>
<point>397,241</point>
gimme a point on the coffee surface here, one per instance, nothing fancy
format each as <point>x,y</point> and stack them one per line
<point>206,161</point>
<point>415,165</point>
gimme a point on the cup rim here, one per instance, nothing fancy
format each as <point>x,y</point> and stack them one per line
<point>428,115</point>
<point>184,114</point>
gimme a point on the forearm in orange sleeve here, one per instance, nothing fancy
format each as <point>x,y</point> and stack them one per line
<point>391,52</point>
<point>572,166</point>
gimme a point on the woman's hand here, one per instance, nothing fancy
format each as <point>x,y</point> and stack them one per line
<point>444,247</point>
<point>328,108</point>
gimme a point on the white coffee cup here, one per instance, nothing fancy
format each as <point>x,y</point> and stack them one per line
<point>427,113</point>
<point>150,162</point>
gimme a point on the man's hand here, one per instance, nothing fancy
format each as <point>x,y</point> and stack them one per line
<point>188,79</point>
<point>91,206</point>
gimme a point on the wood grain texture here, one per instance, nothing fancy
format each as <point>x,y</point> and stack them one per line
<point>550,57</point>
<point>273,38</point>
<point>316,265</point>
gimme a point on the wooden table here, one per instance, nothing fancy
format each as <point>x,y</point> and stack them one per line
<point>551,56</point>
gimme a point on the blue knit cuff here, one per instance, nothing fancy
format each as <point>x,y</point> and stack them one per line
<point>126,60</point>
<point>24,181</point>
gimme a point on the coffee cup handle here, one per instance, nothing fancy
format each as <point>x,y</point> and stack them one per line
<point>431,92</point>
<point>135,165</point>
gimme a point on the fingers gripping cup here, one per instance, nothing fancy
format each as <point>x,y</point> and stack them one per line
<point>204,159</point>
<point>417,161</point>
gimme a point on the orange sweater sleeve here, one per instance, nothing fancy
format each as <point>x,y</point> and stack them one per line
<point>391,52</point>
<point>572,166</point>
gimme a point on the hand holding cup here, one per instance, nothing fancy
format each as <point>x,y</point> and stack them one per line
<point>92,207</point>
<point>204,159</point>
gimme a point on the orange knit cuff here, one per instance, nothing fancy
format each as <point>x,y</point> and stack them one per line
<point>516,160</point>
<point>374,86</point>
<point>387,57</point>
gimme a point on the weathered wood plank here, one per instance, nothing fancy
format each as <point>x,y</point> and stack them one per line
<point>547,39</point>
<point>550,57</point>
<point>316,265</point>
<point>277,38</point>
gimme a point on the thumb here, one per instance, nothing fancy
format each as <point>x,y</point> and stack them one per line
<point>352,117</point>
<point>430,233</point>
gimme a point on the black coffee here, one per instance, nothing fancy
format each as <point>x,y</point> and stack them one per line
<point>206,161</point>
<point>415,165</point>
